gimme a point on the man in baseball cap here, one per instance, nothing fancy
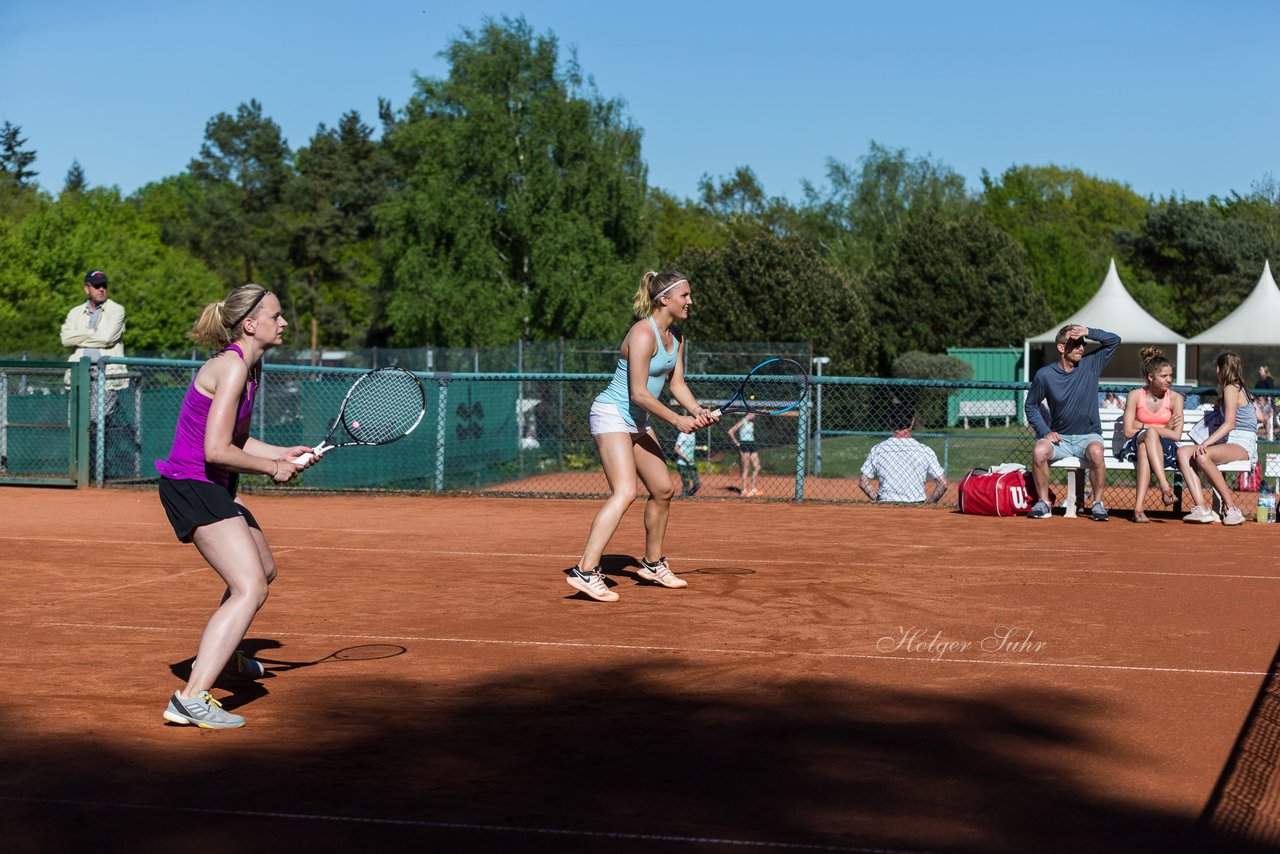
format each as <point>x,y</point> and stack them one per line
<point>95,328</point>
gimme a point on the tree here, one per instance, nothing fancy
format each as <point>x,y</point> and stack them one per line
<point>858,218</point>
<point>524,206</point>
<point>959,283</point>
<point>44,256</point>
<point>779,289</point>
<point>1206,261</point>
<point>14,159</point>
<point>682,225</point>
<point>242,174</point>
<point>75,182</point>
<point>1067,222</point>
<point>343,175</point>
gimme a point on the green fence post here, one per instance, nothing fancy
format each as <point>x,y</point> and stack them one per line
<point>442,411</point>
<point>100,422</point>
<point>80,422</point>
<point>802,432</point>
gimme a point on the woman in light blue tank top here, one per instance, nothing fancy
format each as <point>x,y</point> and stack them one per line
<point>650,357</point>
<point>211,448</point>
<point>1235,438</point>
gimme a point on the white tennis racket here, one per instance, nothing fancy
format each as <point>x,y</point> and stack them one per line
<point>381,406</point>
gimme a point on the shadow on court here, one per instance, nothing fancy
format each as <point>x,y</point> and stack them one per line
<point>629,754</point>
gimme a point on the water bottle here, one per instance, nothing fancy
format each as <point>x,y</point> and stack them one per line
<point>1271,507</point>
<point>1265,504</point>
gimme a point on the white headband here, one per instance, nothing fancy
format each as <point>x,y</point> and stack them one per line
<point>669,287</point>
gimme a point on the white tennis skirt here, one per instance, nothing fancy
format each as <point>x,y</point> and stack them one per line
<point>605,418</point>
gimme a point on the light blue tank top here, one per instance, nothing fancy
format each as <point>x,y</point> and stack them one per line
<point>618,392</point>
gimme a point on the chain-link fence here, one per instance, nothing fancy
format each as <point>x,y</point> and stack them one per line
<point>527,434</point>
<point>560,356</point>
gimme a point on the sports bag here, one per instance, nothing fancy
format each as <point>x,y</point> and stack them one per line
<point>986,492</point>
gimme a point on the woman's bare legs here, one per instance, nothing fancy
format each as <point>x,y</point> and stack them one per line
<point>619,461</point>
<point>237,555</point>
<point>1154,452</point>
<point>1208,463</point>
<point>1144,479</point>
<point>651,466</point>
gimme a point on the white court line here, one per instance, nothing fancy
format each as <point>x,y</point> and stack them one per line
<point>88,593</point>
<point>458,825</point>
<point>719,559</point>
<point>693,651</point>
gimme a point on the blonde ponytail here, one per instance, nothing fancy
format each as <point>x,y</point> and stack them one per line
<point>652,286</point>
<point>222,322</point>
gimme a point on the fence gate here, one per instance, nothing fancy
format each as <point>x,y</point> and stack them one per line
<point>44,418</point>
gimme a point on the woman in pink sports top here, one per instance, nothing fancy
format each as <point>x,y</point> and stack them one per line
<point>211,448</point>
<point>1152,428</point>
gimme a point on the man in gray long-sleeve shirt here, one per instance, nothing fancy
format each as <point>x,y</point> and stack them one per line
<point>1069,387</point>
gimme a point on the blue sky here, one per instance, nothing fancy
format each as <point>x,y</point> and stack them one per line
<point>1171,97</point>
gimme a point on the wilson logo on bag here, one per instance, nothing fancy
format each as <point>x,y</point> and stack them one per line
<point>994,493</point>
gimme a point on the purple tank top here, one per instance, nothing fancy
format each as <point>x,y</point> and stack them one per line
<point>186,457</point>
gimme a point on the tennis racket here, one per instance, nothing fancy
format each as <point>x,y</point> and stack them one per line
<point>380,407</point>
<point>773,387</point>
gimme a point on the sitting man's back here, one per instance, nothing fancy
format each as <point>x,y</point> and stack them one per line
<point>902,465</point>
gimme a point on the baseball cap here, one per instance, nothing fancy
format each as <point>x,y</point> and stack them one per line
<point>95,277</point>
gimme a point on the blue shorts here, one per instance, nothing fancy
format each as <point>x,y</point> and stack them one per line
<point>1129,453</point>
<point>1074,445</point>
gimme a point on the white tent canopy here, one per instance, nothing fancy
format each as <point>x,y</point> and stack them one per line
<point>1253,323</point>
<point>1113,309</point>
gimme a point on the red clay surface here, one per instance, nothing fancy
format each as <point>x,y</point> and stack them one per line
<point>811,687</point>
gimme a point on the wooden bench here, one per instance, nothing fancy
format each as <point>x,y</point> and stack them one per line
<point>986,410</point>
<point>1113,432</point>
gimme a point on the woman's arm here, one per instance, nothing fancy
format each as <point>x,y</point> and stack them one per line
<point>640,345</point>
<point>1131,425</point>
<point>227,378</point>
<point>680,390</point>
<point>1173,430</point>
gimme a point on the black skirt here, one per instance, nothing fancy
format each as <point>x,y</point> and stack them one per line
<point>192,503</point>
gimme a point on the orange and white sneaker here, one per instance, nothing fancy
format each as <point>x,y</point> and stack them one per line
<point>660,572</point>
<point>591,583</point>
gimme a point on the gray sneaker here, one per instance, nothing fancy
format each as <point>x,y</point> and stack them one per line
<point>203,711</point>
<point>1099,512</point>
<point>245,667</point>
<point>1042,510</point>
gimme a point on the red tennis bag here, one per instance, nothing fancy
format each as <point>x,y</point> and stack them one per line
<point>994,493</point>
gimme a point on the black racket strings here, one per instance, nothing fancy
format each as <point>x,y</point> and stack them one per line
<point>384,406</point>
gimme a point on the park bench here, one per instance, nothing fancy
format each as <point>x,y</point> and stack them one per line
<point>986,410</point>
<point>1113,431</point>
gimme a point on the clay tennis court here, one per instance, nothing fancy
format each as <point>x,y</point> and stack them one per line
<point>849,678</point>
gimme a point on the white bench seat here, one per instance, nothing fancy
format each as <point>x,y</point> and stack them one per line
<point>986,410</point>
<point>1113,430</point>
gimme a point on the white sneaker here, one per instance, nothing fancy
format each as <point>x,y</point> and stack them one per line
<point>1233,517</point>
<point>591,583</point>
<point>660,573</point>
<point>1201,515</point>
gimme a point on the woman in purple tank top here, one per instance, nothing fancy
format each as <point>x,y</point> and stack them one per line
<point>211,449</point>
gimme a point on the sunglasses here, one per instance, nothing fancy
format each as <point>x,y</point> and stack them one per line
<point>1074,343</point>
<point>92,285</point>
